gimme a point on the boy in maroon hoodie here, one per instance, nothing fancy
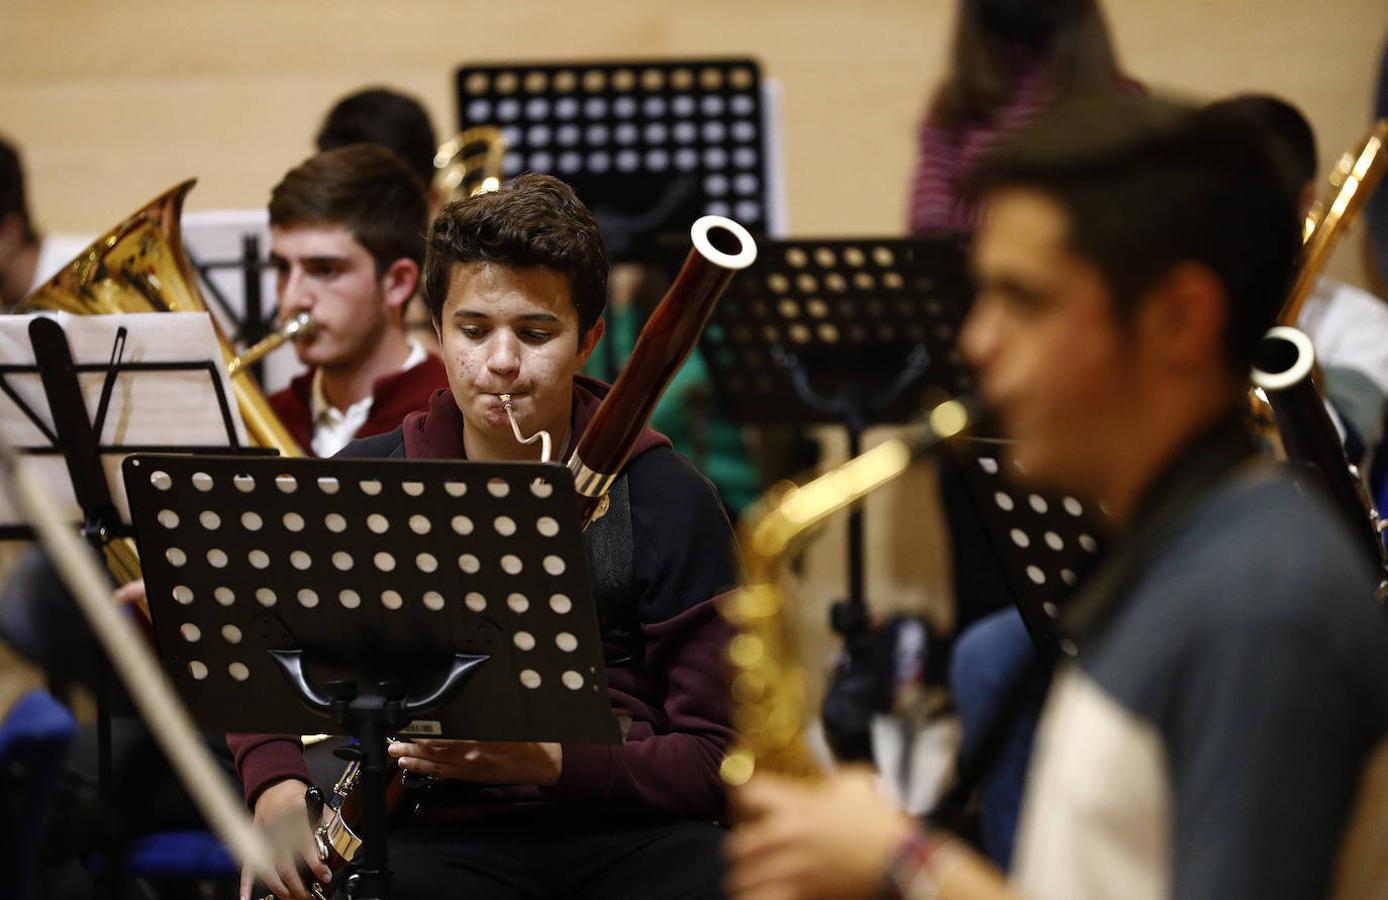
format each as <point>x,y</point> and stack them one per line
<point>516,281</point>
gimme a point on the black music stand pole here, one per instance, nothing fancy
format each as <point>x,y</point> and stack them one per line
<point>372,713</point>
<point>78,440</point>
<point>373,598</point>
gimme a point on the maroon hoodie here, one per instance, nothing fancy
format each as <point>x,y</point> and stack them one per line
<point>393,396</point>
<point>674,691</point>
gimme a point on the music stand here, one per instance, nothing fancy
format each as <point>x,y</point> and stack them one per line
<point>83,417</point>
<point>228,249</point>
<point>842,332</point>
<point>649,145</point>
<point>1045,543</point>
<point>88,415</point>
<point>373,598</point>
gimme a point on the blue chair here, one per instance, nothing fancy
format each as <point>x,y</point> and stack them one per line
<point>180,855</point>
<point>34,739</point>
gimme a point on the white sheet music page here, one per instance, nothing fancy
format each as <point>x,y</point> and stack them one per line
<point>176,409</point>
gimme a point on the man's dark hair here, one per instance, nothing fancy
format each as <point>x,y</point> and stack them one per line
<point>533,221</point>
<point>1147,185</point>
<point>388,119</point>
<point>13,199</point>
<point>1282,122</point>
<point>363,188</point>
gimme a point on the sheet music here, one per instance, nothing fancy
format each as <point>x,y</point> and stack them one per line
<point>147,408</point>
<point>217,236</point>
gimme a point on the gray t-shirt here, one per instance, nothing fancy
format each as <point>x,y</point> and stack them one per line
<point>1209,738</point>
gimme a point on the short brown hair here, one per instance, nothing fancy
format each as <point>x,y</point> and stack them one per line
<point>1147,185</point>
<point>533,221</point>
<point>364,188</point>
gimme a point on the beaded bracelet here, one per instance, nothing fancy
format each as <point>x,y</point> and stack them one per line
<point>915,870</point>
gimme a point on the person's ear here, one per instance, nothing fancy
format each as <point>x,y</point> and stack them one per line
<point>1186,316</point>
<point>589,342</point>
<point>399,282</point>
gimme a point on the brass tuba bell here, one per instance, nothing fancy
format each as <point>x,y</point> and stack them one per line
<point>140,266</point>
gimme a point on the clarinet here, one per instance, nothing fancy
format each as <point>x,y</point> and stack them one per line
<point>662,347</point>
<point>1284,371</point>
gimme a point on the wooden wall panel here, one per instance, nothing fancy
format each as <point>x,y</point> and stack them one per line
<point>113,101</point>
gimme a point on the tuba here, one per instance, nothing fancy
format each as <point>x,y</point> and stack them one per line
<point>140,266</point>
<point>770,706</point>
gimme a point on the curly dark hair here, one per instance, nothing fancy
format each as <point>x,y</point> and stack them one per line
<point>533,221</point>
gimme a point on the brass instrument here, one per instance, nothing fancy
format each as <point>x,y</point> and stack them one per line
<point>300,328</point>
<point>770,707</point>
<point>1353,181</point>
<point>140,266</point>
<point>469,164</point>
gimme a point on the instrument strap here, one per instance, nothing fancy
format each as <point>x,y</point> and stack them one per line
<point>609,545</point>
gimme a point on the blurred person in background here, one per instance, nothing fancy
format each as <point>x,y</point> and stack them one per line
<point>1010,60</point>
<point>28,257</point>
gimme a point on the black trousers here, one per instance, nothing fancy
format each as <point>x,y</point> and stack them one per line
<point>542,854</point>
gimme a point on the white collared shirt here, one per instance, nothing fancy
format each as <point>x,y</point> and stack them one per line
<point>334,428</point>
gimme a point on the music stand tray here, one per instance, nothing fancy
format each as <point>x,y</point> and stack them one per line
<point>373,598</point>
<point>841,331</point>
<point>1045,543</point>
<point>372,570</point>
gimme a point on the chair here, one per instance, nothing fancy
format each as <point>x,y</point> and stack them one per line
<point>34,739</point>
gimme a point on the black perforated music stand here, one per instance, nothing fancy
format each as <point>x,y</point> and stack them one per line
<point>844,332</point>
<point>649,145</point>
<point>373,597</point>
<point>1045,543</point>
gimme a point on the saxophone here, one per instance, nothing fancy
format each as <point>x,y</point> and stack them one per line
<point>768,686</point>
